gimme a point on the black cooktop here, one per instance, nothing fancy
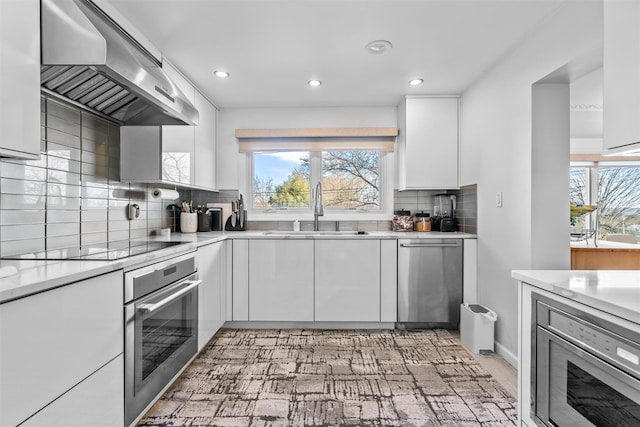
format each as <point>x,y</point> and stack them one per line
<point>96,253</point>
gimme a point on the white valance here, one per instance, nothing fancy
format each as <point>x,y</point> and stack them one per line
<point>316,139</point>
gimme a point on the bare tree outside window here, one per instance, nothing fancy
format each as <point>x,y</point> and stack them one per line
<point>350,179</point>
<point>619,200</point>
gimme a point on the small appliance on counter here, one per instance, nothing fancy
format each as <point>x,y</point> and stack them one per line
<point>444,213</point>
<point>237,221</point>
<point>402,221</point>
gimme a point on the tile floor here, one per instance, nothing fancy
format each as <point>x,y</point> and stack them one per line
<point>326,378</point>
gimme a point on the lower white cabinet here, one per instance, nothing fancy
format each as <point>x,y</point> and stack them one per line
<point>52,341</point>
<point>347,280</point>
<point>211,292</point>
<point>240,281</point>
<point>281,280</point>
<point>97,401</point>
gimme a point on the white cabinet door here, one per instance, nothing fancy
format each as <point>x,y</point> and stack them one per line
<point>211,292</point>
<point>281,280</point>
<point>96,401</point>
<point>178,154</point>
<point>53,340</point>
<point>240,281</point>
<point>428,143</point>
<point>347,280</point>
<point>389,280</point>
<point>621,87</point>
<point>20,78</point>
<point>205,144</point>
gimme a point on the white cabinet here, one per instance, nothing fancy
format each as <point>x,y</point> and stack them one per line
<point>178,154</point>
<point>621,104</point>
<point>211,292</point>
<point>205,144</point>
<point>240,282</point>
<point>96,401</point>
<point>53,340</point>
<point>281,280</point>
<point>388,280</point>
<point>427,149</point>
<point>347,280</point>
<point>20,78</point>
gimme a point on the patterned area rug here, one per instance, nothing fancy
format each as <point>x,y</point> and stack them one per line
<point>330,378</point>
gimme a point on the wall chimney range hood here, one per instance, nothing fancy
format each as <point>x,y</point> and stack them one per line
<point>90,61</point>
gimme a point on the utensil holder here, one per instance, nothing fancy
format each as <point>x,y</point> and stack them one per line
<point>188,222</point>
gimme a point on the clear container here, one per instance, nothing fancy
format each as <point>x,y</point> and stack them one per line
<point>422,222</point>
<point>402,221</point>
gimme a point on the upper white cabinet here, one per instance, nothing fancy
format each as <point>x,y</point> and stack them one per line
<point>20,78</point>
<point>181,155</point>
<point>281,280</point>
<point>621,106</point>
<point>427,149</point>
<point>53,341</point>
<point>205,144</point>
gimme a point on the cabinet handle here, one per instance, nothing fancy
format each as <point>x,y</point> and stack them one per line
<point>429,245</point>
<point>150,308</point>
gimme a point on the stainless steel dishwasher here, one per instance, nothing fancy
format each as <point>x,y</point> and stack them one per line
<point>429,283</point>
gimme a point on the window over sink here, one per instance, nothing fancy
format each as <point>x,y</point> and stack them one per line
<point>283,180</point>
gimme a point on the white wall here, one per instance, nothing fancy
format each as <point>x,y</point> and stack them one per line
<point>232,169</point>
<point>496,154</point>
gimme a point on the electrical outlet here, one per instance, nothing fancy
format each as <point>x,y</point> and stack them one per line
<point>499,199</point>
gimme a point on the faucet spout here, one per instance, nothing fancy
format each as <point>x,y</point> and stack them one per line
<point>318,209</point>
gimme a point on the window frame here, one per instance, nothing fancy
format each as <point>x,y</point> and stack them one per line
<point>383,211</point>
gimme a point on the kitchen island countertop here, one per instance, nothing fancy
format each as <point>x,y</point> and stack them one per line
<point>616,292</point>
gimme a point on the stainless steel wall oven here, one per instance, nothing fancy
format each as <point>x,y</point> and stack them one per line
<point>585,370</point>
<point>161,328</point>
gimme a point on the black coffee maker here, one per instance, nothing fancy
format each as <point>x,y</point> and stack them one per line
<point>444,213</point>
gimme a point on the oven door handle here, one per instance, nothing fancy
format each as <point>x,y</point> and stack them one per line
<point>150,308</point>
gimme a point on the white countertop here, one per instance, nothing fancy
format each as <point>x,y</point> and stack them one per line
<point>616,292</point>
<point>32,276</point>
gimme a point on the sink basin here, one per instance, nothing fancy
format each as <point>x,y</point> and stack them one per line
<point>315,233</point>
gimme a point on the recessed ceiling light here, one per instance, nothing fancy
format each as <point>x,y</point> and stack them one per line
<point>415,82</point>
<point>221,74</point>
<point>314,83</point>
<point>378,47</point>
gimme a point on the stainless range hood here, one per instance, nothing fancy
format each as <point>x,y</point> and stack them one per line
<point>91,61</point>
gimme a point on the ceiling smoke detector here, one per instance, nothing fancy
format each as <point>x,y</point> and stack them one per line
<point>378,47</point>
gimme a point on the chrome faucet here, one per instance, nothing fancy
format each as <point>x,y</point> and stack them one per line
<point>317,205</point>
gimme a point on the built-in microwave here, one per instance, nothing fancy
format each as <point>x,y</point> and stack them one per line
<point>585,371</point>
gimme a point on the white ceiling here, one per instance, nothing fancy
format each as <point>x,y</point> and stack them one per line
<point>272,48</point>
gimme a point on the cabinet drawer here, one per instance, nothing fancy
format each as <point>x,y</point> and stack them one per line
<point>96,401</point>
<point>53,340</point>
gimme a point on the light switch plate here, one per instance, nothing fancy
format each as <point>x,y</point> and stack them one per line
<point>499,199</point>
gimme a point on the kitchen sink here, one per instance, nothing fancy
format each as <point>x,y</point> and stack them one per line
<point>315,233</point>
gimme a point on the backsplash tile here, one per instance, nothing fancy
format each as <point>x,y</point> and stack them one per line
<point>72,196</point>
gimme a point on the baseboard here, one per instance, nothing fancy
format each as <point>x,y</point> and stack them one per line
<point>308,325</point>
<point>507,355</point>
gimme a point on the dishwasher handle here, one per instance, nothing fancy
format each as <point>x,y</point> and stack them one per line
<point>430,245</point>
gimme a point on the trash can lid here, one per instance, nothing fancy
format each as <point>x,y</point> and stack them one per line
<point>477,308</point>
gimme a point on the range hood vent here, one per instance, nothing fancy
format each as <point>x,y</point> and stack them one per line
<point>91,61</point>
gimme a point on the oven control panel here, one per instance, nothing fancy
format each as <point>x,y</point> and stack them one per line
<point>615,348</point>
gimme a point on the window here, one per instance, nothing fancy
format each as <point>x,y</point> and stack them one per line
<point>351,179</point>
<point>614,188</point>
<point>281,180</point>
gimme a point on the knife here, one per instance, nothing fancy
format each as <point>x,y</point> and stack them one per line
<point>241,209</point>
<point>233,214</point>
